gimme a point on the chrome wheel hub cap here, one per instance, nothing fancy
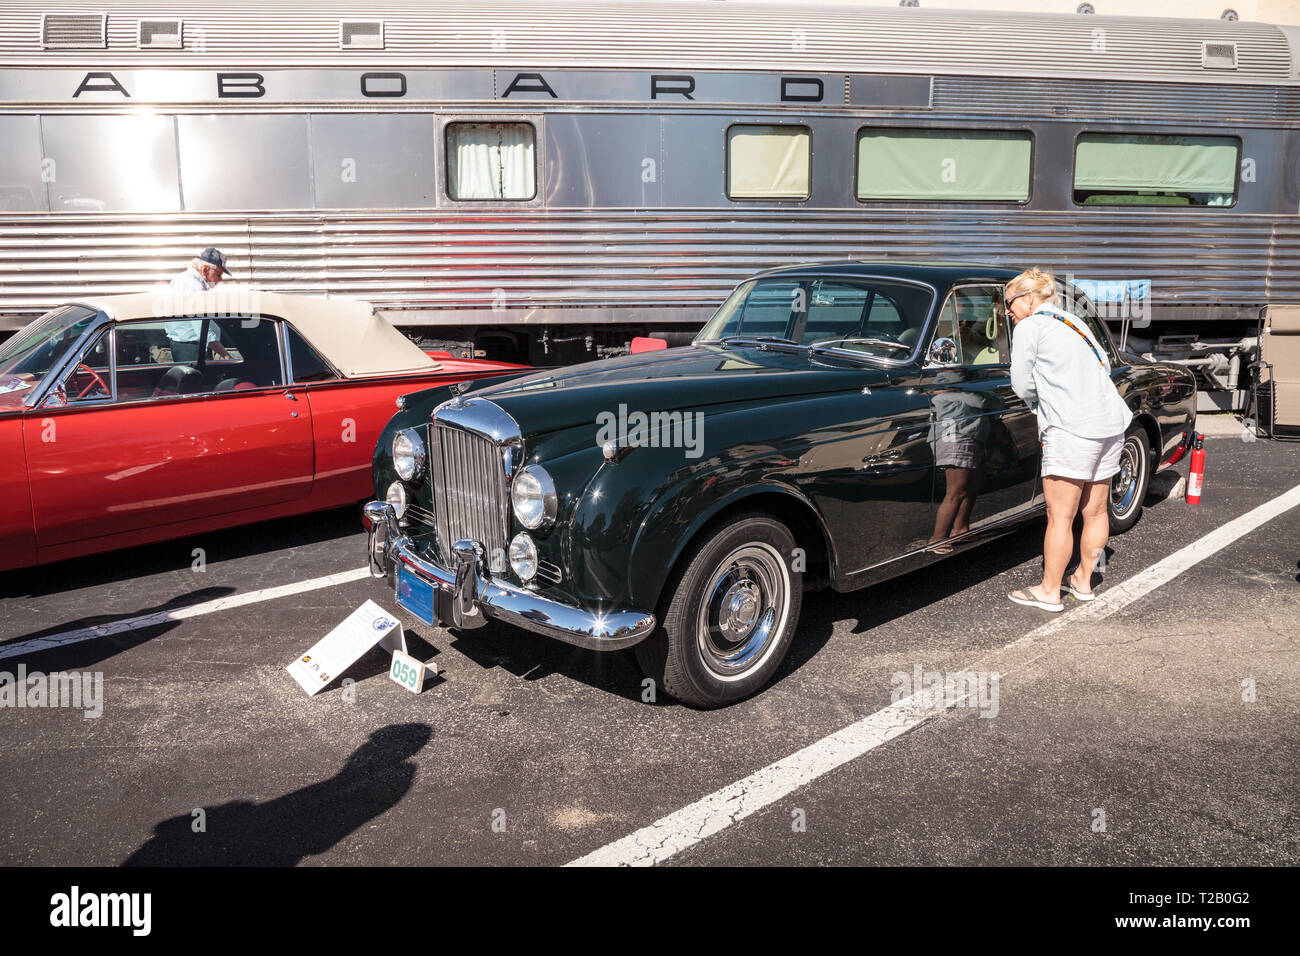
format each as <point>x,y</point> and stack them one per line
<point>1124,486</point>
<point>743,610</point>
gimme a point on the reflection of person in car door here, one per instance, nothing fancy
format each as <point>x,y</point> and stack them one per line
<point>204,272</point>
<point>1062,372</point>
<point>959,435</point>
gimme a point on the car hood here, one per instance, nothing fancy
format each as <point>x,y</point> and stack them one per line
<point>690,379</point>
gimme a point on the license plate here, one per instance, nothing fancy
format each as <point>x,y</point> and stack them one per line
<point>415,595</point>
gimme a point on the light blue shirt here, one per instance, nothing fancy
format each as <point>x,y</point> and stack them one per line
<point>1062,380</point>
<point>190,281</point>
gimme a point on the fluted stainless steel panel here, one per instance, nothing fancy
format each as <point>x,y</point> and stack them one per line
<point>633,259</point>
<point>698,35</point>
<point>1067,97</point>
<point>468,488</point>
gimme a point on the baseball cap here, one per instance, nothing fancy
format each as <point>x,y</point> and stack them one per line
<point>213,257</point>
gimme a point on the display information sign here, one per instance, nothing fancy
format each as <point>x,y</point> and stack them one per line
<point>342,647</point>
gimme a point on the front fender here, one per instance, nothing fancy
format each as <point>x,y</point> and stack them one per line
<point>654,556</point>
<point>637,517</point>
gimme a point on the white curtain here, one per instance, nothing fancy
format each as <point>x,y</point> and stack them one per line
<point>491,160</point>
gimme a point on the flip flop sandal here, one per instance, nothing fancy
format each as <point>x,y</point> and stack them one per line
<point>1031,601</point>
<point>1069,589</point>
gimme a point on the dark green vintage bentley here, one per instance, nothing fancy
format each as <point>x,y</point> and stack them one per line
<point>833,424</point>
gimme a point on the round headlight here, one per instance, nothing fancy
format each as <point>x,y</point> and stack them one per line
<point>408,454</point>
<point>532,493</point>
<point>397,498</point>
<point>523,557</point>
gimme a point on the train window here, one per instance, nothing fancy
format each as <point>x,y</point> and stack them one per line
<point>111,163</point>
<point>943,165</point>
<point>245,161</point>
<point>1126,169</point>
<point>769,162</point>
<point>491,161</point>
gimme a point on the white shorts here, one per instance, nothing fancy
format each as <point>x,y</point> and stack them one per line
<point>1069,456</point>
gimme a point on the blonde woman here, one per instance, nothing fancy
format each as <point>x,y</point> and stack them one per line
<point>1062,372</point>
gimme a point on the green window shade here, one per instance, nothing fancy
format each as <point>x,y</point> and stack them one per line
<point>768,162</point>
<point>1182,164</point>
<point>943,165</point>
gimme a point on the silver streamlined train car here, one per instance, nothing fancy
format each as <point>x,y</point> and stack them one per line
<point>544,180</point>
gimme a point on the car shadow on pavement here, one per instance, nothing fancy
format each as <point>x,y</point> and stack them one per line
<point>306,822</point>
<point>531,657</point>
<point>265,537</point>
<point>92,650</point>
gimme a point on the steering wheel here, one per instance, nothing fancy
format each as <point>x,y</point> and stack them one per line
<point>95,380</point>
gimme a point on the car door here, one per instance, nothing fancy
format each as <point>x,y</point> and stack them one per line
<point>984,437</point>
<point>168,441</point>
<point>876,465</point>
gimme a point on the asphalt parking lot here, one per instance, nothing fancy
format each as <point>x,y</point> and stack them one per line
<point>1164,733</point>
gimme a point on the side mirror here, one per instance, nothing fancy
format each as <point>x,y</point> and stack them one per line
<point>943,351</point>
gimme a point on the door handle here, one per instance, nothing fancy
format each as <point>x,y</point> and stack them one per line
<point>291,396</point>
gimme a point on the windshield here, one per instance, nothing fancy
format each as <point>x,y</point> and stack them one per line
<point>26,358</point>
<point>881,318</point>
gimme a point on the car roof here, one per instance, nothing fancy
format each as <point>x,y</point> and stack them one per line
<point>939,274</point>
<point>347,332</point>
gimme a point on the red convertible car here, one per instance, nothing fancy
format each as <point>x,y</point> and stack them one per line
<point>136,418</point>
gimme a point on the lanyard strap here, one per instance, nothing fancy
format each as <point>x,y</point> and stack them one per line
<point>1083,335</point>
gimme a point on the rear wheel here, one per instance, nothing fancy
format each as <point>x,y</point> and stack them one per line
<point>729,615</point>
<point>1128,487</point>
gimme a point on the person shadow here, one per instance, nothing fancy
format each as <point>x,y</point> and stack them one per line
<point>308,821</point>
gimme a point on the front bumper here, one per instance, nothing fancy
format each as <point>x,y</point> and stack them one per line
<point>466,595</point>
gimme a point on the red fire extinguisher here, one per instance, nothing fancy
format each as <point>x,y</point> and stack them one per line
<point>1196,472</point>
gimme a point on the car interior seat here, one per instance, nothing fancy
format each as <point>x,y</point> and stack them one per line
<point>179,380</point>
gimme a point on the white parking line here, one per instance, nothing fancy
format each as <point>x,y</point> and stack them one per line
<point>109,628</point>
<point>692,824</point>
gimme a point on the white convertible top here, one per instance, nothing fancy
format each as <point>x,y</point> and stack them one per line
<point>347,332</point>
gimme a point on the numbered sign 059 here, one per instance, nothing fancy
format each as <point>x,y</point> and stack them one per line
<point>408,671</point>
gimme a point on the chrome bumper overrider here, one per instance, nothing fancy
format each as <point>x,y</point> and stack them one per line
<point>467,594</point>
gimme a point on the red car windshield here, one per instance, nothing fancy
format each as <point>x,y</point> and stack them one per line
<point>26,358</point>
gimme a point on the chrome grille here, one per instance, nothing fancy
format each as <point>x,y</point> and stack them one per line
<point>469,490</point>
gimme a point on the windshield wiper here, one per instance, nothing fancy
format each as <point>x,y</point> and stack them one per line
<point>760,340</point>
<point>832,343</point>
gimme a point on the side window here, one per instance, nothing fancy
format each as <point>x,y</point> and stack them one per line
<point>249,356</point>
<point>92,378</point>
<point>1082,306</point>
<point>178,357</point>
<point>306,362</point>
<point>981,326</point>
<point>973,317</point>
<point>946,328</point>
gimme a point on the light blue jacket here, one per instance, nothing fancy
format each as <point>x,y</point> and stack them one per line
<point>1062,380</point>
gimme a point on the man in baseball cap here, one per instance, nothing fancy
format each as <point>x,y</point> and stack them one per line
<point>204,272</point>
